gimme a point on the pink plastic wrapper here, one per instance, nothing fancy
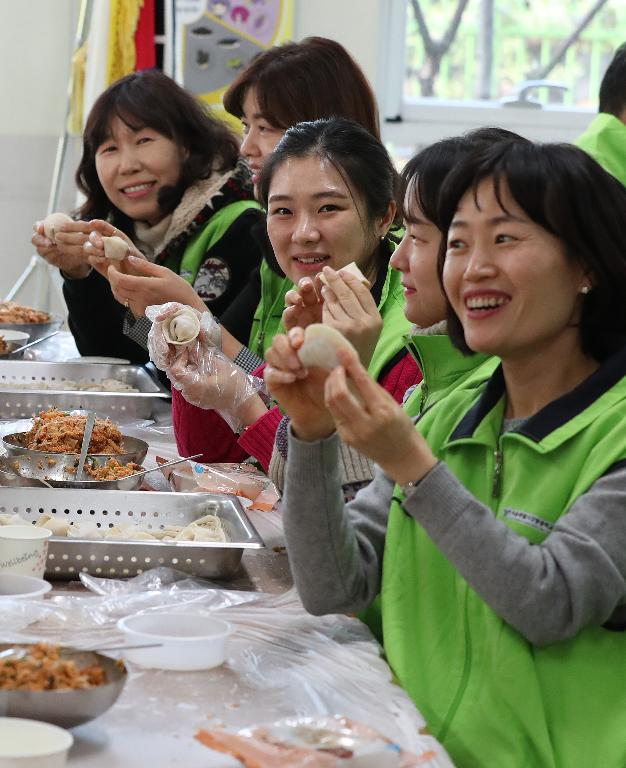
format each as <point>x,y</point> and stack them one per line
<point>319,742</point>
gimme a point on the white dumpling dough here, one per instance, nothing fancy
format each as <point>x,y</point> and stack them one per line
<point>353,269</point>
<point>115,249</point>
<point>52,222</point>
<point>321,343</point>
<point>183,327</point>
<point>58,526</point>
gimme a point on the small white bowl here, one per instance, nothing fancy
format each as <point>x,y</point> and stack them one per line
<point>189,641</point>
<point>18,586</point>
<point>32,744</point>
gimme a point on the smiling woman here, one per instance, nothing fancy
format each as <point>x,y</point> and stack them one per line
<point>494,529</point>
<point>162,174</point>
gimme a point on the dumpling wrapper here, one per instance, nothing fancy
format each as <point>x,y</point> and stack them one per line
<point>58,526</point>
<point>183,327</point>
<point>321,343</point>
<point>54,221</point>
<point>353,269</point>
<point>115,249</point>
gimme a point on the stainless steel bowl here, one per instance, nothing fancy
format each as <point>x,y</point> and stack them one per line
<point>59,468</point>
<point>13,340</point>
<point>23,471</point>
<point>35,330</point>
<point>66,708</point>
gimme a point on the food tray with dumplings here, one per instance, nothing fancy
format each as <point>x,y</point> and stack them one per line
<point>123,533</point>
<point>126,392</point>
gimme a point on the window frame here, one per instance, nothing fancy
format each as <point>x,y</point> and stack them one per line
<point>430,119</point>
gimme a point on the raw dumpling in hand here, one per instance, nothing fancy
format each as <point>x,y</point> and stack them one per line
<point>182,327</point>
<point>54,221</point>
<point>115,249</point>
<point>353,268</point>
<point>321,343</point>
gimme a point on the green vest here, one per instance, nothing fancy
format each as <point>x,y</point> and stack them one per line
<point>443,368</point>
<point>206,238</point>
<point>268,317</point>
<point>605,141</point>
<point>491,697</point>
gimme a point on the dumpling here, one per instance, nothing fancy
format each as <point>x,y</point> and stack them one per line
<point>183,327</point>
<point>57,525</point>
<point>12,520</point>
<point>115,248</point>
<point>320,346</point>
<point>353,268</point>
<point>52,222</point>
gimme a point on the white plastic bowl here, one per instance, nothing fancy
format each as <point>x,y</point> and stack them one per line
<point>189,641</point>
<point>18,586</point>
<point>32,744</point>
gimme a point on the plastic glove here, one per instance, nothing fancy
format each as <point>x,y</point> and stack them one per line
<point>164,354</point>
<point>202,373</point>
<point>210,380</point>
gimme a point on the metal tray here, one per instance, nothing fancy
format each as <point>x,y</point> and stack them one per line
<point>153,509</point>
<point>18,403</point>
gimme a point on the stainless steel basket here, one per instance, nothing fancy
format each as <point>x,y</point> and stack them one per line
<point>16,402</point>
<point>69,557</point>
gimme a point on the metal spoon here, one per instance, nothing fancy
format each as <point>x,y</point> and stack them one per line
<point>162,466</point>
<point>89,424</point>
<point>20,653</point>
<point>32,343</point>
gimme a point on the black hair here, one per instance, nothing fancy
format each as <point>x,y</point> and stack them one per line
<point>360,159</point>
<point>565,191</point>
<point>425,172</point>
<point>613,86</point>
<point>151,99</point>
<point>308,80</point>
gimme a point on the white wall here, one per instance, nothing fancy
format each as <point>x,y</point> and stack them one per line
<point>36,42</point>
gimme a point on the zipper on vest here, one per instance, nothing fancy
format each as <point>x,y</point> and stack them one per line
<point>424,397</point>
<point>259,343</point>
<point>497,473</point>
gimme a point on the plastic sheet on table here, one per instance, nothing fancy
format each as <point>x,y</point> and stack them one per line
<point>282,662</point>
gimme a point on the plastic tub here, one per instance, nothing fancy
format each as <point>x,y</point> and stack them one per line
<point>189,641</point>
<point>31,744</point>
<point>17,585</point>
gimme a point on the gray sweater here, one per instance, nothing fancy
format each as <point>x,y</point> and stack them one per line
<point>548,592</point>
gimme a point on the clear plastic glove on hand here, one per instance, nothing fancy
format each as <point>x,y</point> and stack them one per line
<point>201,372</point>
<point>162,353</point>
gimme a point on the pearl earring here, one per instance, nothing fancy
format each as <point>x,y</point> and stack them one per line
<point>585,289</point>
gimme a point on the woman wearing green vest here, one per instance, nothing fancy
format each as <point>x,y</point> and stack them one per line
<point>329,189</point>
<point>494,531</point>
<point>159,171</point>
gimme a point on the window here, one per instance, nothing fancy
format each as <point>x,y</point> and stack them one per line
<point>533,66</point>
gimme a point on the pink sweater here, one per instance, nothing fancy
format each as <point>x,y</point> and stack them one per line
<point>201,431</point>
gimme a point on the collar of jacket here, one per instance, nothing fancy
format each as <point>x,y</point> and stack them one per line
<point>561,418</point>
<point>200,201</point>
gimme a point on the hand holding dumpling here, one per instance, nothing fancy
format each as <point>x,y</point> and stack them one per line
<point>59,240</point>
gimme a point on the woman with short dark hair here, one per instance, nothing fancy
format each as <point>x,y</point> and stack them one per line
<point>494,529</point>
<point>158,169</point>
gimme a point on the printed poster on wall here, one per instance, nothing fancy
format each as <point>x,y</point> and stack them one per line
<point>216,39</point>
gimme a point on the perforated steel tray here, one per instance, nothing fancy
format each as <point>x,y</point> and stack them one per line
<point>69,557</point>
<point>19,403</point>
